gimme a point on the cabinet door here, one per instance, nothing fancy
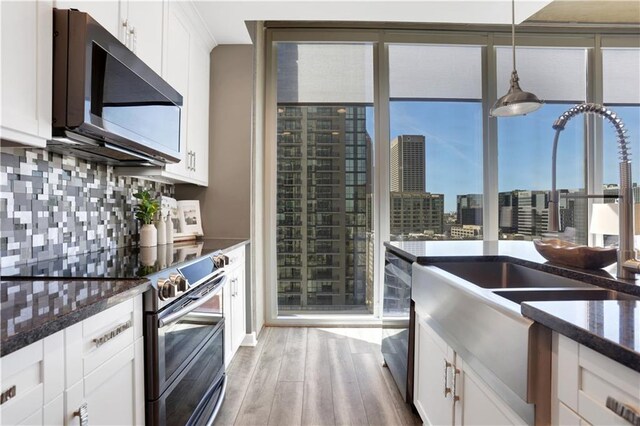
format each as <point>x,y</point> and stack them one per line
<point>228,320</point>
<point>107,13</point>
<point>146,21</point>
<point>175,70</point>
<point>35,375</point>
<point>26,72</point>
<point>478,404</point>
<point>433,376</point>
<point>198,120</point>
<point>238,327</point>
<point>108,392</point>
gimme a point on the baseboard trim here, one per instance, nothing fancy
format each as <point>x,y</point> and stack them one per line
<point>249,340</point>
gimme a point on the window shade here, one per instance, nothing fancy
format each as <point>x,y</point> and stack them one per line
<point>325,73</point>
<point>621,78</point>
<point>435,72</point>
<point>553,74</point>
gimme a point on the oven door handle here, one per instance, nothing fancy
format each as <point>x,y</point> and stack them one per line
<point>175,316</point>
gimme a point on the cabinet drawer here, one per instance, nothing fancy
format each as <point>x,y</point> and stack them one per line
<point>32,377</point>
<point>98,338</point>
<point>236,256</point>
<point>586,378</point>
<point>600,378</point>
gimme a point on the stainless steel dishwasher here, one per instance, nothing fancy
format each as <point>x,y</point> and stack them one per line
<point>398,323</point>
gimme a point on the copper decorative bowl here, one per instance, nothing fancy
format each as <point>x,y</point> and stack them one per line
<point>578,256</point>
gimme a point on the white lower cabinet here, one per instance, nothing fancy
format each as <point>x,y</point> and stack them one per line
<point>235,312</point>
<point>584,379</point>
<point>105,367</point>
<point>447,391</point>
<point>97,364</point>
<point>32,383</point>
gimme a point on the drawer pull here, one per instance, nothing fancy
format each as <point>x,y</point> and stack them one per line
<point>8,394</point>
<point>83,414</point>
<point>99,341</point>
<point>623,410</point>
<point>456,373</point>
<point>447,389</point>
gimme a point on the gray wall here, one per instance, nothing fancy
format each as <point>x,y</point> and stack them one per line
<point>225,204</point>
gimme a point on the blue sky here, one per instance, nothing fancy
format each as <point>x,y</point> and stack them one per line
<point>453,132</point>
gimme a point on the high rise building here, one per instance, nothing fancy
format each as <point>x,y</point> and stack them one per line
<point>469,209</point>
<point>323,216</point>
<point>416,213</point>
<point>408,164</point>
<point>523,212</point>
<point>413,210</point>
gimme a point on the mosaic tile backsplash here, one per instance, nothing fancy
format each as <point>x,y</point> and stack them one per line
<point>53,205</point>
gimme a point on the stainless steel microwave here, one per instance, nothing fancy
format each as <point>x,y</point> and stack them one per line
<point>108,105</point>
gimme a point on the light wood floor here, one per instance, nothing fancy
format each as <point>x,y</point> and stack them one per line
<point>313,376</point>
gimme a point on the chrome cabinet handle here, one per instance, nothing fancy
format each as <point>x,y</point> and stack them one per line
<point>133,38</point>
<point>623,410</point>
<point>99,341</point>
<point>447,389</point>
<point>83,414</point>
<point>8,394</point>
<point>125,31</point>
<point>191,161</point>
<point>456,373</point>
<point>194,161</point>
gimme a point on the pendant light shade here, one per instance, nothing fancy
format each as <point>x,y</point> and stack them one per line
<point>516,101</point>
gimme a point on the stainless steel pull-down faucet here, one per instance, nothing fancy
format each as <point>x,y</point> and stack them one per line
<point>628,265</point>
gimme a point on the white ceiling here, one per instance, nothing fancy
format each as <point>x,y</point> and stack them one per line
<point>226,19</point>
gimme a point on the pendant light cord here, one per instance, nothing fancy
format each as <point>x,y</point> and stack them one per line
<point>513,31</point>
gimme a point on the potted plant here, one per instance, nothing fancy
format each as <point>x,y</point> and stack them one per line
<point>145,212</point>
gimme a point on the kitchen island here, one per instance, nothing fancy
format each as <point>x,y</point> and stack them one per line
<point>472,320</point>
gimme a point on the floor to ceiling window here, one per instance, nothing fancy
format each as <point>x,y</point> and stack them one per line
<point>435,142</point>
<point>558,76</point>
<point>439,168</point>
<point>324,177</point>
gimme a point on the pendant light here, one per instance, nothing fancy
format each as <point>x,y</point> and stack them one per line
<point>516,101</point>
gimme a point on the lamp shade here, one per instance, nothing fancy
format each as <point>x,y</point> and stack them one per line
<point>604,219</point>
<point>516,101</point>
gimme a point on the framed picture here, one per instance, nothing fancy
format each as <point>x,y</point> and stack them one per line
<point>190,223</point>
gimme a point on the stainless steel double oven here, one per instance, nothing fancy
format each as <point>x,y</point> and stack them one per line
<point>184,347</point>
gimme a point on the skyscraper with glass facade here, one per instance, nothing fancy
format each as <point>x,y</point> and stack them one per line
<point>323,220</point>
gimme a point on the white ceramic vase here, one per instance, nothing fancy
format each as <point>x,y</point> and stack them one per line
<point>148,235</point>
<point>162,232</point>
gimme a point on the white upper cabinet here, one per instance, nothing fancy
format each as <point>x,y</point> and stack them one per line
<point>186,48</point>
<point>144,24</point>
<point>107,13</point>
<point>198,124</point>
<point>186,68</point>
<point>176,71</point>
<point>25,71</point>
<point>137,24</point>
<point>168,35</point>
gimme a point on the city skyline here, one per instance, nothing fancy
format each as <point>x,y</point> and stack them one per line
<point>450,145</point>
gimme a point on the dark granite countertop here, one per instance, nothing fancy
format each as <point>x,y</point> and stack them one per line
<point>34,309</point>
<point>40,299</point>
<point>610,327</point>
<point>520,252</point>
